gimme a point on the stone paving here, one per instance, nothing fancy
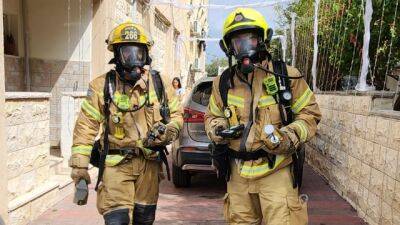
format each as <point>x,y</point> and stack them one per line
<point>202,205</point>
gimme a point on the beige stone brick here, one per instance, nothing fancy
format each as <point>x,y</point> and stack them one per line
<point>394,137</point>
<point>40,112</point>
<point>388,189</point>
<point>25,160</point>
<point>338,178</point>
<point>351,146</point>
<point>398,169</point>
<point>359,125</point>
<point>376,182</point>
<point>353,190</point>
<point>328,116</point>
<point>330,101</point>
<point>347,142</point>
<point>335,119</point>
<point>320,99</point>
<point>337,102</point>
<point>368,152</point>
<point>359,147</point>
<point>321,146</point>
<point>368,218</point>
<point>354,167</point>
<point>370,128</point>
<point>334,138</point>
<point>12,138</point>
<point>40,205</point>
<point>396,199</point>
<point>362,104</point>
<point>375,206</point>
<point>391,160</point>
<point>21,185</point>
<point>396,216</point>
<point>323,112</point>
<point>379,154</point>
<point>14,113</point>
<point>349,122</point>
<point>387,215</point>
<point>362,195</point>
<point>41,175</point>
<point>347,104</point>
<point>342,159</point>
<point>20,216</point>
<point>365,175</point>
<point>382,131</point>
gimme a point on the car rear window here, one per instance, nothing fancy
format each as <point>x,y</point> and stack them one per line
<point>202,93</point>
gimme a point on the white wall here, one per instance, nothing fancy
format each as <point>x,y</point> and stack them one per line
<point>60,31</point>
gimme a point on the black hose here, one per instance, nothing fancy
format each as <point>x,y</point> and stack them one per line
<point>276,74</point>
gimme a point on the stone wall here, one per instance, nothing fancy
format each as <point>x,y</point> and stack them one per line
<point>27,125</point>
<point>36,179</point>
<point>357,151</point>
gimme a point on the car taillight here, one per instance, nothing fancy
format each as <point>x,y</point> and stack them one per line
<point>193,116</point>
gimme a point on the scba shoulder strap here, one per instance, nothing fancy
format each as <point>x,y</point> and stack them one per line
<point>110,77</point>
<point>284,92</point>
<point>159,88</point>
<point>224,85</point>
<point>287,116</point>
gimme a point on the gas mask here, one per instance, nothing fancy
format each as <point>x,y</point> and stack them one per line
<point>130,61</point>
<point>245,47</point>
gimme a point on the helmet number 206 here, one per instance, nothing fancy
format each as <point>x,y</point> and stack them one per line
<point>130,34</point>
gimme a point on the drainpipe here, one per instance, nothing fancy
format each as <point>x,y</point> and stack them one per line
<point>26,45</point>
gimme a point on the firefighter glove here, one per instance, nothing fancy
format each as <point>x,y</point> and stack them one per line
<point>286,144</point>
<point>217,125</point>
<point>162,134</point>
<point>78,174</point>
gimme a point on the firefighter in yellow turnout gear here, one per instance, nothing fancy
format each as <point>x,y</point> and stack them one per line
<point>128,192</point>
<point>248,121</point>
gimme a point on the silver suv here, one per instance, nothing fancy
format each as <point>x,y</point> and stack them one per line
<point>190,154</point>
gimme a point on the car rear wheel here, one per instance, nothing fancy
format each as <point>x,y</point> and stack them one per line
<point>180,177</point>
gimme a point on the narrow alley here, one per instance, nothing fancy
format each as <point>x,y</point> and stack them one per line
<point>202,205</point>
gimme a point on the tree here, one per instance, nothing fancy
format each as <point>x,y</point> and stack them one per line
<point>340,40</point>
<point>212,68</point>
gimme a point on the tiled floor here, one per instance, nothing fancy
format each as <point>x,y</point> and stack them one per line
<point>202,204</point>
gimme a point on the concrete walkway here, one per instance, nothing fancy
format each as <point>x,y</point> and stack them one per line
<point>202,204</point>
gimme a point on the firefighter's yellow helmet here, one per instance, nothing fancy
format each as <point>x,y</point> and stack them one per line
<point>244,18</point>
<point>128,32</point>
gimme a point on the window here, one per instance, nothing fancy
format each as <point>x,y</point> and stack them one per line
<point>202,93</point>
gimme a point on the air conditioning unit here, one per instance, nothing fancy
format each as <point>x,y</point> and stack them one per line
<point>196,29</point>
<point>196,66</point>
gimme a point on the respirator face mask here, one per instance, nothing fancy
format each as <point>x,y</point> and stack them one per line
<point>245,46</point>
<point>132,59</point>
